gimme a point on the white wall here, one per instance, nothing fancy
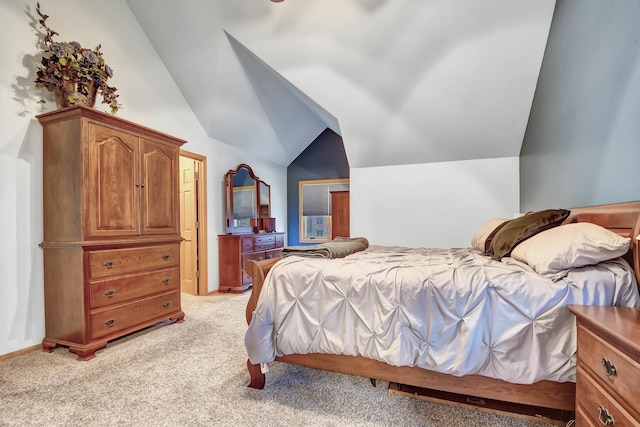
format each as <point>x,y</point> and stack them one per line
<point>149,96</point>
<point>443,80</point>
<point>432,205</point>
<point>582,143</point>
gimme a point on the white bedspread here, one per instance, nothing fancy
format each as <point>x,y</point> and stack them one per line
<point>449,310</point>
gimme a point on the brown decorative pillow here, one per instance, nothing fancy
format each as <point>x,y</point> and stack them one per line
<point>520,229</point>
<point>482,238</point>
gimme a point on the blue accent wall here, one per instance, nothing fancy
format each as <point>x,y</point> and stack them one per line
<point>324,158</point>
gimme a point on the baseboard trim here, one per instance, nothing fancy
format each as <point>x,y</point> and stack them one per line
<point>20,352</point>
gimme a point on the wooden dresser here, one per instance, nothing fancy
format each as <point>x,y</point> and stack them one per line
<point>236,249</point>
<point>111,228</point>
<point>608,372</point>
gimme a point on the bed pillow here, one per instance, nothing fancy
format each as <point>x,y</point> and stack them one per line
<point>570,246</point>
<point>520,229</point>
<point>482,239</point>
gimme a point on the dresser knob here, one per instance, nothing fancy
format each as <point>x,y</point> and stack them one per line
<point>166,304</point>
<point>166,281</point>
<point>605,418</point>
<point>110,322</point>
<point>608,368</point>
<point>109,264</point>
<point>166,257</point>
<point>110,292</point>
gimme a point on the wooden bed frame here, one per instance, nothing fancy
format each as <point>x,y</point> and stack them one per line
<point>623,218</point>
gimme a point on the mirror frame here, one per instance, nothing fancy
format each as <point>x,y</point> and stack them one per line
<point>228,201</point>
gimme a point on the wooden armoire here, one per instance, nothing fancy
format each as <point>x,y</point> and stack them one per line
<point>111,228</point>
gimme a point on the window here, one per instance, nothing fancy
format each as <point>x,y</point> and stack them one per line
<point>315,208</point>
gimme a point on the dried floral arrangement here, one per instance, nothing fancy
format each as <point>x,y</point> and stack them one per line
<point>73,72</point>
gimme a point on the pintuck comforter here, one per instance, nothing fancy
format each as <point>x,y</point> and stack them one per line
<point>454,311</point>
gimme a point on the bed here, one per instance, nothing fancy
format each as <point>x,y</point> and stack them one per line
<point>533,374</point>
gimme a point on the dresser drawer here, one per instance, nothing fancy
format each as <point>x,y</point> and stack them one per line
<point>265,246</point>
<point>114,262</point>
<point>246,279</point>
<point>597,404</point>
<point>263,243</point>
<point>107,322</point>
<point>255,256</point>
<point>594,353</point>
<point>279,240</point>
<point>247,244</point>
<point>114,291</point>
<point>265,240</point>
<point>273,253</point>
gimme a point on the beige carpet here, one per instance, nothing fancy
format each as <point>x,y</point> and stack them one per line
<point>194,374</point>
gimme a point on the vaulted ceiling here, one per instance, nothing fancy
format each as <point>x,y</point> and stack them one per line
<point>402,81</point>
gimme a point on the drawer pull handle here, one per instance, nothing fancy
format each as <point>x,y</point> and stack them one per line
<point>605,417</point>
<point>166,304</point>
<point>110,322</point>
<point>166,281</point>
<point>110,292</point>
<point>608,368</point>
<point>109,264</point>
<point>166,257</point>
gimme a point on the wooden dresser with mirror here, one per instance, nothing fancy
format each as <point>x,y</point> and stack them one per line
<point>250,230</point>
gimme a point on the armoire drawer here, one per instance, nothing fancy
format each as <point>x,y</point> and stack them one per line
<point>598,356</point>
<point>113,262</point>
<point>113,291</point>
<point>106,322</point>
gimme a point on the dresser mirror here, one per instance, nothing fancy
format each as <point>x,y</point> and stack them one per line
<point>247,200</point>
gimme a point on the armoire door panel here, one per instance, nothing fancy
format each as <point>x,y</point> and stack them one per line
<point>159,177</point>
<point>113,195</point>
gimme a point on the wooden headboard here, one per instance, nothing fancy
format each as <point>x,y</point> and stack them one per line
<point>622,218</point>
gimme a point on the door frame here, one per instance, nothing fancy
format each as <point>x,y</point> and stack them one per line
<point>203,237</point>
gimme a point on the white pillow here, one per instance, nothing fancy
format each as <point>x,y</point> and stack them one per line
<point>570,246</point>
<point>486,231</point>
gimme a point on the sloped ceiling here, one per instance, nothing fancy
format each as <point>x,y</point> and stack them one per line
<point>402,81</point>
